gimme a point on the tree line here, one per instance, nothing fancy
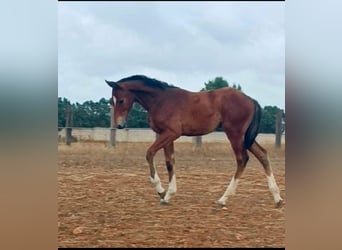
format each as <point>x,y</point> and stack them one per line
<point>91,114</point>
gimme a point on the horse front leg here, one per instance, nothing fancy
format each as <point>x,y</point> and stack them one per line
<point>161,141</point>
<point>170,162</point>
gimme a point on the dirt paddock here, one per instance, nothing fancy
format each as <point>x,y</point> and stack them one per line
<point>105,198</point>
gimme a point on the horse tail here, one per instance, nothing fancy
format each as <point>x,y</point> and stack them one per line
<point>253,129</point>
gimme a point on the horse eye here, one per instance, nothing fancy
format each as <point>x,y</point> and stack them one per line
<point>121,101</point>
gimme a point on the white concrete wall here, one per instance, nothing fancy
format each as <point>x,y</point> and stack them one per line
<point>147,135</point>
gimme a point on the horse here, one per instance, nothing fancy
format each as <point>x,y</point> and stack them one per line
<point>174,112</point>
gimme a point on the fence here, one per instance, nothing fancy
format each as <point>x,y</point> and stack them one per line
<point>145,135</point>
<point>113,135</point>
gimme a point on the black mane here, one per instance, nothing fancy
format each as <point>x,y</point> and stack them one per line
<point>154,83</point>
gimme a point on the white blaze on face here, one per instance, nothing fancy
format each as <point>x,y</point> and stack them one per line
<point>114,100</point>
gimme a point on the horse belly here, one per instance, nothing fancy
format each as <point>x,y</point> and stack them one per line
<point>200,125</point>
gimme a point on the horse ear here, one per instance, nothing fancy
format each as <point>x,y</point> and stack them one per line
<point>114,85</point>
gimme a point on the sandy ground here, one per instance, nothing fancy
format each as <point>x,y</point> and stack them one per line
<point>105,198</point>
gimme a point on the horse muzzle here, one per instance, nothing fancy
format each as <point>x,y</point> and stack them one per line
<point>121,125</point>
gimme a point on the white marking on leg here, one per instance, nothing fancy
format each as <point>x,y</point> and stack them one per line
<point>229,191</point>
<point>157,183</point>
<point>172,188</point>
<point>273,187</point>
<point>173,185</point>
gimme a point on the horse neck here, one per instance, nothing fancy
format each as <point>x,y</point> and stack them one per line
<point>147,99</point>
<point>146,96</point>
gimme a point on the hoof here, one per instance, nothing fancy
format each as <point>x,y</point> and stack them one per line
<point>163,202</point>
<point>279,204</point>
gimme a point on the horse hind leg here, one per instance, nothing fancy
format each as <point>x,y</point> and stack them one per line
<point>241,161</point>
<point>261,154</point>
<point>170,161</point>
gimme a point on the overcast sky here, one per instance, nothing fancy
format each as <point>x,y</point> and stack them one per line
<point>181,43</point>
